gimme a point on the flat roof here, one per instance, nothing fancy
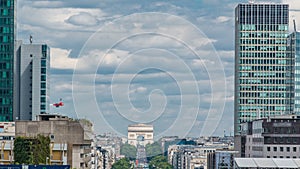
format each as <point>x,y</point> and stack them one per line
<point>267,162</point>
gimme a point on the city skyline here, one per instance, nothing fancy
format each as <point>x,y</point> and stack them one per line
<point>70,23</point>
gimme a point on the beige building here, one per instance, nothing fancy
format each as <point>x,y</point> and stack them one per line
<point>70,139</point>
<point>140,134</point>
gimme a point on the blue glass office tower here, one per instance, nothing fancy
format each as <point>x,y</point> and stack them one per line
<point>263,70</point>
<point>7,41</point>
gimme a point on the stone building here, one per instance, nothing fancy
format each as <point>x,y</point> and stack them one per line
<point>70,139</point>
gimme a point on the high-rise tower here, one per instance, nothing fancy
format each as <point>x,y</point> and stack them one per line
<point>263,70</point>
<point>293,51</point>
<point>7,61</point>
<point>32,74</point>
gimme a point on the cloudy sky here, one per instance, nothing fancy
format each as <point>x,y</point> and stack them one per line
<point>167,63</point>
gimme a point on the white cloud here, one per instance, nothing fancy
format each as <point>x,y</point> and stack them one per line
<point>60,59</point>
<point>221,19</point>
<point>83,19</point>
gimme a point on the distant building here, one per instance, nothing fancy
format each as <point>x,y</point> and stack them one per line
<point>192,156</point>
<point>221,159</point>
<point>140,134</point>
<point>32,74</point>
<point>273,137</point>
<point>70,139</point>
<point>7,136</point>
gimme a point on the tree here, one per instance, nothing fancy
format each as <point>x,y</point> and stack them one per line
<point>153,150</point>
<point>28,150</point>
<point>123,163</point>
<point>129,151</point>
<point>159,162</point>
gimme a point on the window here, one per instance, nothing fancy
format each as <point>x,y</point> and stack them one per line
<point>43,70</point>
<point>43,85</point>
<point>43,78</point>
<point>43,92</point>
<point>268,149</point>
<point>274,148</point>
<point>281,149</point>
<point>288,149</point>
<point>294,149</point>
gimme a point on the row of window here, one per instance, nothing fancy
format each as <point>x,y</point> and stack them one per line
<point>264,88</point>
<point>263,48</point>
<point>264,68</point>
<point>243,54</point>
<point>282,157</point>
<point>258,95</point>
<point>264,74</point>
<point>262,41</point>
<point>268,35</point>
<point>274,27</point>
<point>250,102</point>
<point>6,3</point>
<point>262,108</point>
<point>266,81</point>
<point>281,149</point>
<point>266,61</point>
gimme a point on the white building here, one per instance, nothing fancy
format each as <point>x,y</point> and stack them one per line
<point>140,134</point>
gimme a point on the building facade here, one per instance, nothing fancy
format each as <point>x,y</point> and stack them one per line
<point>33,62</point>
<point>7,136</point>
<point>293,51</point>
<point>7,59</point>
<point>274,137</point>
<point>70,139</point>
<point>263,71</point>
<point>140,134</point>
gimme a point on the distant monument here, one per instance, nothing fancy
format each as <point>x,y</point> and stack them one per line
<point>140,134</point>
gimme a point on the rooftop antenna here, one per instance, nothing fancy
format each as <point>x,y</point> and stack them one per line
<point>30,39</point>
<point>295,28</point>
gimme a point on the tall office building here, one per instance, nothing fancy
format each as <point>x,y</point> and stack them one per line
<point>293,51</point>
<point>263,70</point>
<point>7,39</point>
<point>33,62</point>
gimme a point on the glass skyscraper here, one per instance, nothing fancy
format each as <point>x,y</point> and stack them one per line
<point>263,70</point>
<point>293,51</point>
<point>7,41</point>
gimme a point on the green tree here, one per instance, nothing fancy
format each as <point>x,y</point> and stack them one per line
<point>123,163</point>
<point>159,162</point>
<point>29,150</point>
<point>129,151</point>
<point>153,150</point>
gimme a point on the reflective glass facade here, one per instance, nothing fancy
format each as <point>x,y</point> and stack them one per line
<point>263,70</point>
<point>293,50</point>
<point>7,38</point>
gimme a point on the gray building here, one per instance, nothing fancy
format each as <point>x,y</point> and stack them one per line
<point>273,137</point>
<point>263,72</point>
<point>33,62</point>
